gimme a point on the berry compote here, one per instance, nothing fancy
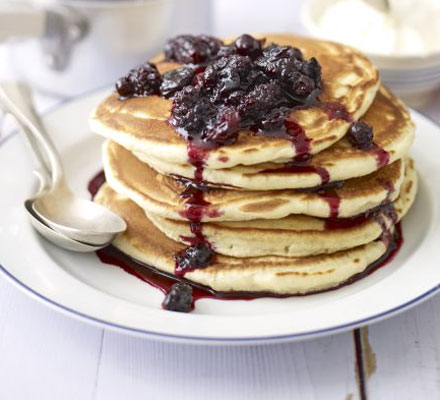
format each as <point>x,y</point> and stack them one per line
<point>222,89</point>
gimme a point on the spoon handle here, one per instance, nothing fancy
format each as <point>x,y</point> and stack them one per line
<point>44,164</point>
<point>16,98</point>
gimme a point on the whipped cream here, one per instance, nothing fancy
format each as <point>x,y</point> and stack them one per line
<point>412,27</point>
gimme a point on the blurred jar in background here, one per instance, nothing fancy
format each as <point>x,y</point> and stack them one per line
<point>69,47</point>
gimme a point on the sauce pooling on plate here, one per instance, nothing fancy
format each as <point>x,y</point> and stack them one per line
<point>164,282</point>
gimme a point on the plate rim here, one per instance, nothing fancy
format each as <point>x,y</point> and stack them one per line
<point>66,310</point>
<point>214,340</point>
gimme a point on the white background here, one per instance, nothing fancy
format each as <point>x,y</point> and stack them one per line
<point>46,355</point>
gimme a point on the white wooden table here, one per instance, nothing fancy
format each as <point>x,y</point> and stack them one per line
<point>46,355</point>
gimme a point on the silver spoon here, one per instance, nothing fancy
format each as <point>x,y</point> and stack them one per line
<point>73,217</point>
<point>46,231</point>
<point>53,236</point>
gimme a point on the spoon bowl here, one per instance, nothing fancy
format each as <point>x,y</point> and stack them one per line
<point>55,237</point>
<point>55,205</point>
<point>77,218</point>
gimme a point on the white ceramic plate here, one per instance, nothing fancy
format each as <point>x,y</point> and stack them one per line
<point>79,285</point>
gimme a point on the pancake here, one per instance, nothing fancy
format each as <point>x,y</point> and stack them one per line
<point>141,124</point>
<point>164,195</point>
<point>393,136</point>
<point>279,275</point>
<point>295,235</point>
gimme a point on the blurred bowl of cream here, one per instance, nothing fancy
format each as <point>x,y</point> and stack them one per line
<point>402,37</point>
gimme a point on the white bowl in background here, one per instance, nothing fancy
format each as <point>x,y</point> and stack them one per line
<point>414,78</point>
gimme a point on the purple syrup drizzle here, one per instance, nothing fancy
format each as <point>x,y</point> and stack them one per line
<point>335,110</point>
<point>333,201</point>
<point>381,155</point>
<point>299,139</point>
<point>357,220</point>
<point>163,281</point>
<point>95,183</point>
<point>196,208</point>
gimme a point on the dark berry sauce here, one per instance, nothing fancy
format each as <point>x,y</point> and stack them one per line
<point>222,89</point>
<point>196,207</point>
<point>192,49</point>
<point>335,110</point>
<point>381,155</point>
<point>358,220</point>
<point>389,187</point>
<point>294,132</point>
<point>95,183</point>
<point>164,282</point>
<point>202,185</point>
<point>197,157</point>
<point>333,201</point>
<point>323,188</point>
<point>159,279</point>
<point>199,253</point>
<point>300,141</point>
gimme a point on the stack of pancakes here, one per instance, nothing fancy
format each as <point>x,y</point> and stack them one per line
<point>275,225</point>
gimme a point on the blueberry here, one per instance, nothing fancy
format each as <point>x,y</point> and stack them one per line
<point>303,86</point>
<point>141,81</point>
<point>301,80</point>
<point>274,52</point>
<point>191,110</point>
<point>258,103</point>
<point>192,49</point>
<point>224,129</point>
<point>246,45</point>
<point>274,119</point>
<point>312,69</point>
<point>175,80</point>
<point>226,51</point>
<point>361,135</point>
<point>179,298</point>
<point>124,87</point>
<point>212,43</point>
<point>228,75</point>
<point>193,257</point>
